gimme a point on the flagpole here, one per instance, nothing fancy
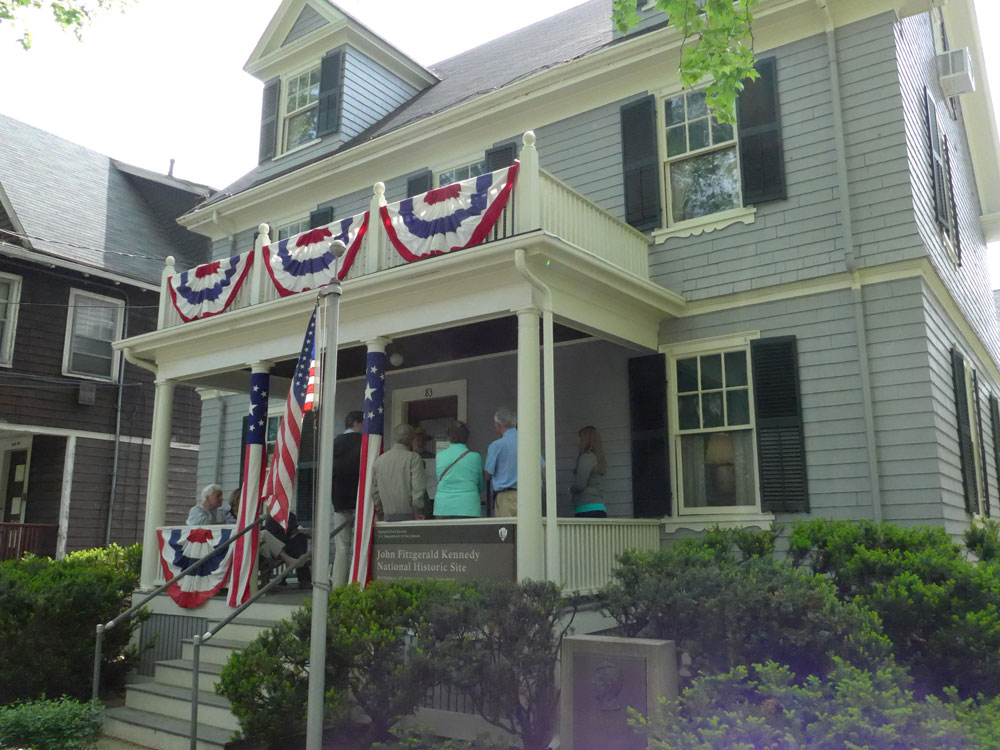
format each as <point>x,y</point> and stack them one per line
<point>329,297</point>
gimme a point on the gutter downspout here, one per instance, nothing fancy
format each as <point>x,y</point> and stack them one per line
<point>118,437</point>
<point>850,260</point>
<point>553,570</point>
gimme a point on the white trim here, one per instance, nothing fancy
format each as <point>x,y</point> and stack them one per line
<point>68,336</point>
<point>65,496</point>
<point>300,147</point>
<point>10,329</point>
<point>707,223</point>
<point>41,258</point>
<point>284,113</point>
<point>400,397</point>
<point>86,434</point>
<point>731,520</point>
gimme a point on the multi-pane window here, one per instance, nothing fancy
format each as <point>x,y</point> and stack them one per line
<point>10,293</point>
<point>93,323</point>
<point>292,229</point>
<point>714,438</point>
<point>462,172</point>
<point>701,172</point>
<point>301,108</point>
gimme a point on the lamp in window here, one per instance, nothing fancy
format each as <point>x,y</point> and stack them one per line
<point>720,463</point>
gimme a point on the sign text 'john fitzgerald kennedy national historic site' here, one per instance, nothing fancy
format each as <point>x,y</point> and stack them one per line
<point>441,550</point>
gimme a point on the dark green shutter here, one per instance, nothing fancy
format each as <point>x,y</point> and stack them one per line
<point>419,184</point>
<point>995,423</point>
<point>641,164</point>
<point>331,86</point>
<point>500,157</point>
<point>320,217</point>
<point>762,161</point>
<point>269,120</point>
<point>952,203</point>
<point>982,443</point>
<point>966,454</point>
<point>781,452</point>
<point>647,399</point>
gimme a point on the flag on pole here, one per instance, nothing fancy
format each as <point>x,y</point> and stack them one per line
<point>371,447</point>
<point>245,548</point>
<point>280,480</point>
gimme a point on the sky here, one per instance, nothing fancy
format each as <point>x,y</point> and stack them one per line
<point>164,80</point>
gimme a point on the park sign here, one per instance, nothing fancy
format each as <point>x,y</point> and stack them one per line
<point>442,550</point>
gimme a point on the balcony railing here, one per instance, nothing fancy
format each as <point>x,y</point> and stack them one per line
<point>18,539</point>
<point>537,201</point>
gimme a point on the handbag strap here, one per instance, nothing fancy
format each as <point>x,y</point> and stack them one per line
<point>467,452</point>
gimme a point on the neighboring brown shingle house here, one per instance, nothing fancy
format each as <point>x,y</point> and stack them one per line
<point>82,243</point>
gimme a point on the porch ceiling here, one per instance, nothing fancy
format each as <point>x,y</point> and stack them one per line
<point>436,297</point>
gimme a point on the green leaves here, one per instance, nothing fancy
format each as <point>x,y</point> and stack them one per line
<point>60,724</point>
<point>717,45</point>
<point>69,14</point>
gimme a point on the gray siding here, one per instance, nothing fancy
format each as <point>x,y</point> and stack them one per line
<point>216,466</point>
<point>585,152</point>
<point>968,284</point>
<point>309,20</point>
<point>789,240</point>
<point>370,93</point>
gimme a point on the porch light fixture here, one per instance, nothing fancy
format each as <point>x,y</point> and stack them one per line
<point>395,359</point>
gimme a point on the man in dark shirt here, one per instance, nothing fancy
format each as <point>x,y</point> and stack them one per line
<point>346,467</point>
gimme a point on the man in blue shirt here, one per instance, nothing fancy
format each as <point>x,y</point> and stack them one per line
<point>501,462</point>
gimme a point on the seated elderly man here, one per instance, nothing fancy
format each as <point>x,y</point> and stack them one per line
<point>208,510</point>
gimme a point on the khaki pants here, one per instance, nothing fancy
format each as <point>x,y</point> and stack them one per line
<point>343,544</point>
<point>506,503</point>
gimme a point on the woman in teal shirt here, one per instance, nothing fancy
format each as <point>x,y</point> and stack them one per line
<point>591,466</point>
<point>460,477</point>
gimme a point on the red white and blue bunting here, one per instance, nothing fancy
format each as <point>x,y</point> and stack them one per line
<point>448,218</point>
<point>305,261</point>
<point>180,547</point>
<point>210,288</point>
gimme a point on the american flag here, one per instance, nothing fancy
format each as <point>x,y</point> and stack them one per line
<point>245,548</point>
<point>371,447</point>
<point>281,474</point>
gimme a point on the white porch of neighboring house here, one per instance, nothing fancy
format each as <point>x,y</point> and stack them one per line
<point>565,279</point>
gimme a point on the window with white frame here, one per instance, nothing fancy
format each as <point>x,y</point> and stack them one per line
<point>461,172</point>
<point>92,323</point>
<point>293,228</point>
<point>10,298</point>
<point>701,162</point>
<point>301,108</point>
<point>713,432</point>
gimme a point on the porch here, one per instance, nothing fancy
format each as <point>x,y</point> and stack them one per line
<point>557,274</point>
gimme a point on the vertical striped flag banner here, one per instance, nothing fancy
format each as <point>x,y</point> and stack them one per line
<point>245,548</point>
<point>280,483</point>
<point>371,447</point>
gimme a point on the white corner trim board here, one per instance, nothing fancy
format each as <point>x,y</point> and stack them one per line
<point>87,435</point>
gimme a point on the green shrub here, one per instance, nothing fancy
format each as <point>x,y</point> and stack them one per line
<point>373,662</point>
<point>501,649</point>
<point>726,614</point>
<point>941,611</point>
<point>48,614</point>
<point>127,560</point>
<point>984,540</point>
<point>423,738</point>
<point>61,724</point>
<point>764,708</point>
<point>738,544</point>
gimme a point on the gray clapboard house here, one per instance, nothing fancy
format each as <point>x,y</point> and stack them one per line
<point>82,241</point>
<point>781,320</point>
<point>784,319</point>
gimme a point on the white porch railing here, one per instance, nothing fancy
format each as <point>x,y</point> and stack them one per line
<point>588,548</point>
<point>538,201</point>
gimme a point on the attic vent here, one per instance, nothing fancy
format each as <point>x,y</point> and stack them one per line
<point>955,72</point>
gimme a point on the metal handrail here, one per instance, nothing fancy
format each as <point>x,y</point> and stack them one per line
<point>198,640</point>
<point>102,628</point>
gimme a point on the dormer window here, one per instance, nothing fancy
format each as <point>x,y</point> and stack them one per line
<point>301,108</point>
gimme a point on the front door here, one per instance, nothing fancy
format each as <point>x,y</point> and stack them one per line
<point>16,485</point>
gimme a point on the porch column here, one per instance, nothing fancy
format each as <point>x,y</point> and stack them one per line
<point>156,484</point>
<point>529,448</point>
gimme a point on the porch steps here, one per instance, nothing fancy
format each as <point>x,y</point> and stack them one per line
<point>157,712</point>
